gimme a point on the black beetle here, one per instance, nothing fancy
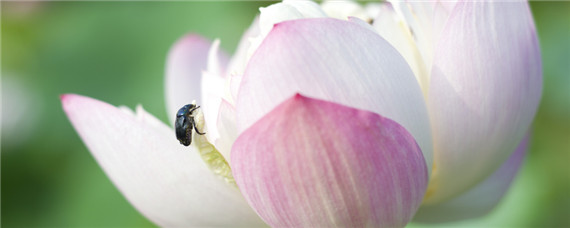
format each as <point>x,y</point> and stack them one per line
<point>185,124</point>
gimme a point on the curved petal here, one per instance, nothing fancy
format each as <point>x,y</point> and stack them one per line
<point>484,91</point>
<point>187,58</point>
<point>283,11</point>
<point>337,61</point>
<point>479,200</point>
<point>394,29</point>
<point>313,163</point>
<point>213,91</point>
<point>344,9</point>
<point>307,8</point>
<point>411,27</point>
<point>165,181</point>
<point>227,129</point>
<point>419,18</point>
<point>237,63</point>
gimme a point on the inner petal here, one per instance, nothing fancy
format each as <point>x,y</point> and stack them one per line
<point>210,155</point>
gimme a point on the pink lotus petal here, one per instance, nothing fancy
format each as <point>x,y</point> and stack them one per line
<point>187,58</point>
<point>480,199</point>
<point>313,163</point>
<point>337,61</point>
<point>485,88</point>
<point>165,181</point>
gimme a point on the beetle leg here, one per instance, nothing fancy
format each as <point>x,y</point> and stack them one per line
<point>200,133</point>
<point>195,128</point>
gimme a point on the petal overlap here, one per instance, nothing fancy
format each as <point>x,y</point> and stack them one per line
<point>187,59</point>
<point>485,88</point>
<point>480,199</point>
<point>313,163</point>
<point>338,61</point>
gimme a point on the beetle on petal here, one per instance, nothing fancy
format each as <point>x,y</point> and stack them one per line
<point>185,124</point>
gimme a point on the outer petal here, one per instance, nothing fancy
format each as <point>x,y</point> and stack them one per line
<point>485,88</point>
<point>165,181</point>
<point>313,163</point>
<point>479,200</point>
<point>338,61</point>
<point>187,58</point>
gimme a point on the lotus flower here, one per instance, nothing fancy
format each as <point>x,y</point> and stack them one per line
<point>333,115</point>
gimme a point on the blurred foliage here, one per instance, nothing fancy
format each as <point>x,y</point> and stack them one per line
<point>115,52</point>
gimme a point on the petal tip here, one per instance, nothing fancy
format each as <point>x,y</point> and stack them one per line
<point>67,99</point>
<point>189,37</point>
<point>272,160</point>
<point>188,42</point>
<point>63,98</point>
<point>298,97</point>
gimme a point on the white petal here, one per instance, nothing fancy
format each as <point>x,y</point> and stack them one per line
<point>307,8</point>
<point>215,87</point>
<point>480,199</point>
<point>485,88</point>
<point>237,63</point>
<point>411,27</point>
<point>227,128</point>
<point>418,17</point>
<point>283,11</point>
<point>214,64</point>
<point>165,181</point>
<point>344,9</point>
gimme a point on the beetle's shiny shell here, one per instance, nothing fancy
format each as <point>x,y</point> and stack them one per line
<point>184,124</point>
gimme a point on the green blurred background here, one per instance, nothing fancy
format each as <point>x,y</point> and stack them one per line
<point>116,51</point>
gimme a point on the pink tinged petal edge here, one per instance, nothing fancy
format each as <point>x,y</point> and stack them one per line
<point>186,60</point>
<point>165,181</point>
<point>313,163</point>
<point>485,88</point>
<point>479,200</point>
<point>338,61</point>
